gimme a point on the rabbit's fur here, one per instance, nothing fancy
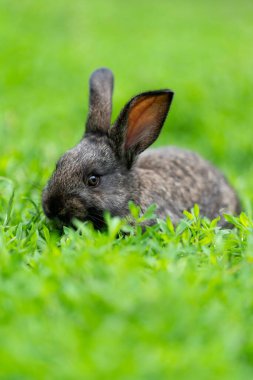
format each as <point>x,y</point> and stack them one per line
<point>107,168</point>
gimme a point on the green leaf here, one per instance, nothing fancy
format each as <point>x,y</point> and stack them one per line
<point>9,209</point>
<point>188,214</point>
<point>170,225</point>
<point>149,213</point>
<point>134,210</point>
<point>196,210</point>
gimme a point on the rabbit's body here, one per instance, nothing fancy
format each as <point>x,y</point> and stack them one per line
<point>177,179</point>
<point>107,168</point>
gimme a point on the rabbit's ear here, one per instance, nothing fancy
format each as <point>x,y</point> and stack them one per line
<point>140,123</point>
<point>100,101</point>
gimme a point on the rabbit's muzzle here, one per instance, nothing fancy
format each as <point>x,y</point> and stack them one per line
<point>63,209</point>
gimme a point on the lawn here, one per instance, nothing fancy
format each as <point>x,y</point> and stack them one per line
<point>164,304</point>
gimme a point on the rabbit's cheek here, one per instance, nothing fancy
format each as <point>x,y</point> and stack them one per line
<point>75,208</point>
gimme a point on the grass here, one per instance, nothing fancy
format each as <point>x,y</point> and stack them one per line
<point>169,303</point>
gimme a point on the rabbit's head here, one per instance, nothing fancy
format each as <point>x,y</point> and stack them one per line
<point>97,174</point>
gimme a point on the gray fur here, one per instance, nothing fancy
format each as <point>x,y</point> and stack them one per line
<point>172,178</point>
<point>179,179</point>
<point>100,101</point>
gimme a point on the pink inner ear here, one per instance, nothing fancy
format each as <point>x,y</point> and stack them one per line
<point>144,118</point>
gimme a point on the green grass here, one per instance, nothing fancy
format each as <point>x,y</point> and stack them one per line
<point>165,304</point>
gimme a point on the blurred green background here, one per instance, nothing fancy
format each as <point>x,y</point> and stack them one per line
<point>96,307</point>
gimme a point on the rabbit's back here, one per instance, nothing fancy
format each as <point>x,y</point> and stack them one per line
<point>176,179</point>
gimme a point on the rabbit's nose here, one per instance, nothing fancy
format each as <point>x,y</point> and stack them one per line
<point>53,207</point>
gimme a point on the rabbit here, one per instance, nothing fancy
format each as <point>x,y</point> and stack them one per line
<point>109,167</point>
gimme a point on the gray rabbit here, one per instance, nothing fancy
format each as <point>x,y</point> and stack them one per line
<point>107,168</point>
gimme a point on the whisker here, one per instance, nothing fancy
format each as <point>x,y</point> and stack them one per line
<point>96,218</point>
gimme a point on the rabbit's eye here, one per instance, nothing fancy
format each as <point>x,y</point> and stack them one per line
<point>93,180</point>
